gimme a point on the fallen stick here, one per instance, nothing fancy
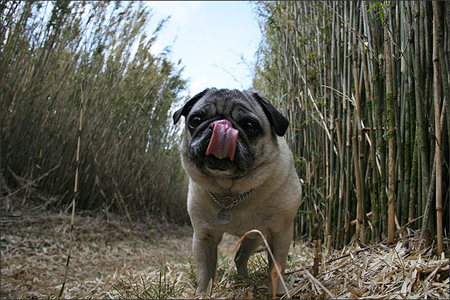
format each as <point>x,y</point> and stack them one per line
<point>316,281</point>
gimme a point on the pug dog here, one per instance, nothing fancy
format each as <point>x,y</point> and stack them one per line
<point>241,177</point>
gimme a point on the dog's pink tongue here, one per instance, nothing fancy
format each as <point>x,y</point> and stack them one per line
<point>223,140</point>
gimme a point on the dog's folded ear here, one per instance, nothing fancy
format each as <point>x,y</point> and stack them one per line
<point>276,119</point>
<point>184,111</point>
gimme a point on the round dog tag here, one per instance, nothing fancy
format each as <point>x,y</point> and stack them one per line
<point>224,216</point>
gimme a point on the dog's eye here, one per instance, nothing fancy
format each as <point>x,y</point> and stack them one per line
<point>250,127</point>
<point>195,122</point>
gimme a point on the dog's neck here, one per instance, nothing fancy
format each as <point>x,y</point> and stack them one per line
<point>229,202</point>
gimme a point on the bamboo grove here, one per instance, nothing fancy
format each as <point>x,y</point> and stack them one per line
<point>59,55</point>
<point>366,87</point>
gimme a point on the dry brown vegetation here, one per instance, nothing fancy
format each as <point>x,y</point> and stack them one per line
<point>60,58</point>
<point>110,260</point>
<point>34,247</point>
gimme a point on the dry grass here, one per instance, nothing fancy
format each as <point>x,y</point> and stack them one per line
<point>153,261</point>
<point>378,272</point>
<point>34,247</point>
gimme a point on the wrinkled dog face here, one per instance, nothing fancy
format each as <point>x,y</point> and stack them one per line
<point>226,131</point>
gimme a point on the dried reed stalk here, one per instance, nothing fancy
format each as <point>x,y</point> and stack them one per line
<point>75,194</point>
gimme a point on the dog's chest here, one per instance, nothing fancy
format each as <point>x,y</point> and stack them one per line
<point>245,219</point>
<point>255,212</point>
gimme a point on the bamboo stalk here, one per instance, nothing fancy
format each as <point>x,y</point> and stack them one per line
<point>391,135</point>
<point>360,230</point>
<point>418,72</point>
<point>357,101</point>
<point>437,126</point>
<point>427,209</point>
<point>347,178</point>
<point>341,187</point>
<point>379,117</point>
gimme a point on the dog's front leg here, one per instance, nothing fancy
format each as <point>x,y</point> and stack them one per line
<point>204,247</point>
<point>279,243</point>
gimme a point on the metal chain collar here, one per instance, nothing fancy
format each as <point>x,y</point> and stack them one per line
<point>229,202</point>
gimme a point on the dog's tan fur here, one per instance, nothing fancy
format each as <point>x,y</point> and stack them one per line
<point>271,208</point>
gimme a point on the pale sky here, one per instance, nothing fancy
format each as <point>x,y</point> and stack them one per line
<point>210,37</point>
